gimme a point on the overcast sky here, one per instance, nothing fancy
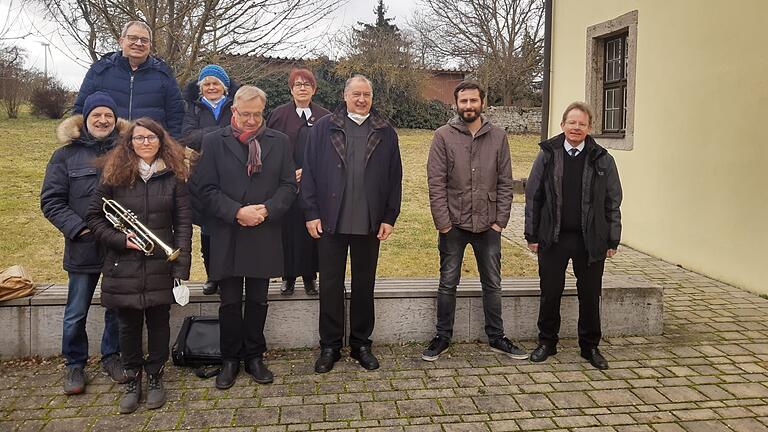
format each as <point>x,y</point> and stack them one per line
<point>62,64</point>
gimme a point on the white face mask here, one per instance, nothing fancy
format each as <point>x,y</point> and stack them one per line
<point>358,118</point>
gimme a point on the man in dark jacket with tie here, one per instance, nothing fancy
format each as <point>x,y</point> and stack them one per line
<point>351,191</point>
<point>141,85</point>
<point>572,201</point>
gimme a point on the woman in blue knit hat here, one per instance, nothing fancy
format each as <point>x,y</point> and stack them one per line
<point>208,108</point>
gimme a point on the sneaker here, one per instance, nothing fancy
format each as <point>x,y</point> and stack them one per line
<point>112,367</point>
<point>74,382</point>
<point>505,346</point>
<point>155,391</point>
<point>437,346</point>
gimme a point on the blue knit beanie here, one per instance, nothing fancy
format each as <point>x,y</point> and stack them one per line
<point>99,99</point>
<point>215,71</point>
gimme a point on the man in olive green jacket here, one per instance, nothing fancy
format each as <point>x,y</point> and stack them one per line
<point>470,193</point>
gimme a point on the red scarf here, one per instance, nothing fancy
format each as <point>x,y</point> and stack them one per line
<point>251,139</point>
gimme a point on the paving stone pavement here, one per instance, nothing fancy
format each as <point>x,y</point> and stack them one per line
<point>708,372</point>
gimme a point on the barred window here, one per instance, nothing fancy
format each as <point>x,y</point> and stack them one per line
<point>615,84</point>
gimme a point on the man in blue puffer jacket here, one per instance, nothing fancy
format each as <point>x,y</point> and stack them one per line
<point>141,85</point>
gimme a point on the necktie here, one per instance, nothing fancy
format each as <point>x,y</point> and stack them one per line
<point>574,151</point>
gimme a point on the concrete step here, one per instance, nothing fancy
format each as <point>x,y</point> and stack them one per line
<point>405,311</point>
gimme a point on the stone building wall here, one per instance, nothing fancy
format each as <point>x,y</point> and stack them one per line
<point>515,119</point>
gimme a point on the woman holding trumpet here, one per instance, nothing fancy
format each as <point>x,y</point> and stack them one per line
<point>143,181</point>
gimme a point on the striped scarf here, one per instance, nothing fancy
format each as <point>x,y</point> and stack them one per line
<point>251,139</point>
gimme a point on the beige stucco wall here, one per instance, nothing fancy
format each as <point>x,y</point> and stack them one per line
<point>695,184</point>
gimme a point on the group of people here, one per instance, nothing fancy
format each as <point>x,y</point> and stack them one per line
<point>297,194</point>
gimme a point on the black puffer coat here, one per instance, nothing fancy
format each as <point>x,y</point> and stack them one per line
<point>131,279</point>
<point>199,119</point>
<point>70,179</point>
<point>600,200</point>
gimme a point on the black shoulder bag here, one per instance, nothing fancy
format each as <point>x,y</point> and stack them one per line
<point>197,345</point>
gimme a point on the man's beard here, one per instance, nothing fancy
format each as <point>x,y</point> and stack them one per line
<point>469,116</point>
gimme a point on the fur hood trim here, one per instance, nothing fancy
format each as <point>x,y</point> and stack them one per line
<point>69,129</point>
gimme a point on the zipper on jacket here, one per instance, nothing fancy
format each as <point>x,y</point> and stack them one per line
<point>144,257</point>
<point>130,99</point>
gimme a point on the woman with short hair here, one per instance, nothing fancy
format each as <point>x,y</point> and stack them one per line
<point>295,119</point>
<point>209,108</point>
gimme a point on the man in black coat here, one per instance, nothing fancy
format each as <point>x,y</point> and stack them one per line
<point>70,179</point>
<point>351,191</point>
<point>572,202</point>
<point>245,179</point>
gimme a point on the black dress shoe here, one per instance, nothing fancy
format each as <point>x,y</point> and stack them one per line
<point>229,371</point>
<point>595,358</point>
<point>310,287</point>
<point>365,357</point>
<point>210,287</point>
<point>258,371</point>
<point>328,357</point>
<point>542,352</point>
<point>286,288</point>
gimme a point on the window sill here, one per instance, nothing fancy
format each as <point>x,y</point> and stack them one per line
<point>611,135</point>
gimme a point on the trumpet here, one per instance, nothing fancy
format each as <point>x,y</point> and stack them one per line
<point>127,222</point>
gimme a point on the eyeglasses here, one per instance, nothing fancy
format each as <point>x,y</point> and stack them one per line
<point>358,95</point>
<point>139,139</point>
<point>300,84</point>
<point>247,115</point>
<point>133,39</point>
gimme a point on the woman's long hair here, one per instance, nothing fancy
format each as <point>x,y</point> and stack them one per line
<point>120,167</point>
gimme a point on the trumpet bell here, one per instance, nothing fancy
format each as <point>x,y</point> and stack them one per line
<point>174,254</point>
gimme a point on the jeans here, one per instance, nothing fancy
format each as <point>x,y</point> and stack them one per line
<point>158,337</point>
<point>74,340</point>
<point>487,248</point>
<point>363,256</point>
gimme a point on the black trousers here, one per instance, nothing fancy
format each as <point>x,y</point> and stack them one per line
<point>553,262</point>
<point>299,248</point>
<point>364,255</point>
<point>205,249</point>
<point>242,334</point>
<point>131,322</point>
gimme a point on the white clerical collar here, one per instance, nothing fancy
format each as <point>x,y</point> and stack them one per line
<point>567,146</point>
<point>358,118</point>
<point>306,111</point>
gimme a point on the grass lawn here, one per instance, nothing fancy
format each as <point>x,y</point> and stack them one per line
<point>27,238</point>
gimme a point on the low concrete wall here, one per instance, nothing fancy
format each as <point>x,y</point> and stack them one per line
<point>405,311</point>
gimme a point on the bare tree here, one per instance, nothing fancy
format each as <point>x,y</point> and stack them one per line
<point>382,52</point>
<point>500,39</point>
<point>187,32</point>
<point>14,80</point>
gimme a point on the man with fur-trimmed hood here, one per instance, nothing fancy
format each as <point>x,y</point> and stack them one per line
<point>70,178</point>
